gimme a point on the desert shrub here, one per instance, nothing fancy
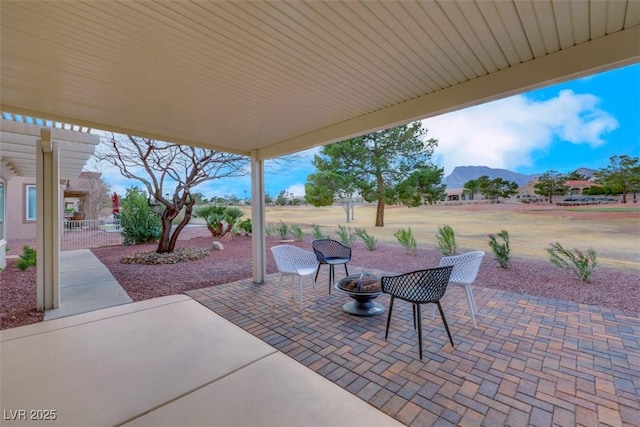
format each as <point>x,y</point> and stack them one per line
<point>27,258</point>
<point>283,230</point>
<point>220,219</point>
<point>296,230</point>
<point>269,229</point>
<point>246,226</point>
<point>345,236</point>
<point>370,241</point>
<point>407,240</point>
<point>501,250</point>
<point>581,263</point>
<point>138,222</point>
<point>317,232</point>
<point>447,240</point>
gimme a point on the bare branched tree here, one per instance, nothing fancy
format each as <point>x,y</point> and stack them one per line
<point>169,172</point>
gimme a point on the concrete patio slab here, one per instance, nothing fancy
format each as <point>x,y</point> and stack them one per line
<point>274,391</point>
<point>121,364</point>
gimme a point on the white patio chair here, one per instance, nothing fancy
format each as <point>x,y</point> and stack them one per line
<point>465,270</point>
<point>294,261</point>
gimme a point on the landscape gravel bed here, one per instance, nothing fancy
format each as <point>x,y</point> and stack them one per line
<point>617,289</point>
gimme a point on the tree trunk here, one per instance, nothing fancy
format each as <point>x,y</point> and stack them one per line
<point>380,213</point>
<point>346,207</point>
<point>183,223</point>
<point>167,220</point>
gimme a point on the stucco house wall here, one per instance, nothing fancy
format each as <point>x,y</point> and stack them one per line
<point>17,226</point>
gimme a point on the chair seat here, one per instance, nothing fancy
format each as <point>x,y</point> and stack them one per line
<point>306,270</point>
<point>332,260</point>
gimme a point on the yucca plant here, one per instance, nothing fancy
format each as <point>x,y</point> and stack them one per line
<point>407,240</point>
<point>317,232</point>
<point>346,238</point>
<point>447,240</point>
<point>283,230</point>
<point>370,241</point>
<point>581,263</point>
<point>501,251</point>
<point>296,230</point>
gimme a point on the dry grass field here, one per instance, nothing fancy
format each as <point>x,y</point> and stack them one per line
<point>612,230</point>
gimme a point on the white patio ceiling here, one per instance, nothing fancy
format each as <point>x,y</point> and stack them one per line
<point>277,77</point>
<point>18,138</point>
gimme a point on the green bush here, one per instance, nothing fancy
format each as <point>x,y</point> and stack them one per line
<point>138,222</point>
<point>346,238</point>
<point>246,226</point>
<point>296,230</point>
<point>27,258</point>
<point>370,241</point>
<point>447,240</point>
<point>501,251</point>
<point>582,264</point>
<point>406,239</point>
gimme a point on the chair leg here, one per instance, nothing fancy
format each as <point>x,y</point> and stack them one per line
<point>386,332</point>
<point>444,320</point>
<point>345,269</point>
<point>472,305</point>
<point>300,291</point>
<point>332,275</point>
<point>278,288</point>
<point>413,308</point>
<point>318,271</point>
<point>315,296</point>
<point>417,311</point>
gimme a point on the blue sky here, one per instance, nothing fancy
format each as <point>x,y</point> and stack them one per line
<point>576,124</point>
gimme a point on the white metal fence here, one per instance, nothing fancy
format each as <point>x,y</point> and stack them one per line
<point>85,234</point>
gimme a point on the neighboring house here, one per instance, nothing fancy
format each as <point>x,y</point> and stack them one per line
<point>84,196</point>
<point>576,187</point>
<point>458,194</point>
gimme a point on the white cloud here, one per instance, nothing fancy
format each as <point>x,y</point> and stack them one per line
<point>504,133</point>
<point>297,190</point>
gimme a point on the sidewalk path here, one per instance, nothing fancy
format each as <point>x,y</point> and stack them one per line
<point>85,285</point>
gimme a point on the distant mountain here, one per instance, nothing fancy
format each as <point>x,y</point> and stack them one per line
<point>586,172</point>
<point>462,174</point>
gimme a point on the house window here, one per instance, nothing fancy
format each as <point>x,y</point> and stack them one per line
<point>30,206</point>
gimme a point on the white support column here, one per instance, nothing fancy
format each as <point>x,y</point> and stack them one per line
<point>258,240</point>
<point>48,219</point>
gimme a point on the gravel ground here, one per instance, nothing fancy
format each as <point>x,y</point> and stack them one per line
<point>609,288</point>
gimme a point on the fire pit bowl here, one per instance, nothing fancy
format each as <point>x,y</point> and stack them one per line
<point>364,289</point>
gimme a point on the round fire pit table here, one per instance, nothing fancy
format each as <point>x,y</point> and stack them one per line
<point>364,290</point>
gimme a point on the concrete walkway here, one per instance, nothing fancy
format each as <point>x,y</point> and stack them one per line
<point>85,285</point>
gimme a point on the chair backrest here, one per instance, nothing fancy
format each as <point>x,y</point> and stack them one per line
<point>328,248</point>
<point>419,286</point>
<point>465,266</point>
<point>288,257</point>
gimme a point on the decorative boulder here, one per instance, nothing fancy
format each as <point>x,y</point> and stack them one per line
<point>226,237</point>
<point>218,246</point>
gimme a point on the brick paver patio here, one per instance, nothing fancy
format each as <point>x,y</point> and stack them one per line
<point>531,361</point>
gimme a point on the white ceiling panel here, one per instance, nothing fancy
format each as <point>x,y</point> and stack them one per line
<point>270,78</point>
